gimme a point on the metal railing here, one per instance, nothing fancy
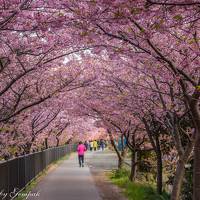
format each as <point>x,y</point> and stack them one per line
<point>16,173</point>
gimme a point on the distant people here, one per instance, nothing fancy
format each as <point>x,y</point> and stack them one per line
<point>81,150</point>
<point>106,143</point>
<point>102,145</point>
<point>91,145</point>
<point>86,145</point>
<point>98,144</point>
<point>95,145</point>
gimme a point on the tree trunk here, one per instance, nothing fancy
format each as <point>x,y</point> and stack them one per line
<point>133,166</point>
<point>159,173</point>
<point>156,146</point>
<point>124,152</point>
<point>159,166</point>
<point>46,143</point>
<point>196,172</point>
<point>178,179</point>
<point>120,162</point>
<point>194,106</point>
<point>120,158</point>
<point>57,141</point>
<point>180,171</point>
<point>28,146</point>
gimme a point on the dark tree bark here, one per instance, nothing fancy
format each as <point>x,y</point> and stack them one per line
<point>184,153</point>
<point>133,174</point>
<point>27,148</point>
<point>46,143</point>
<point>57,141</point>
<point>154,139</point>
<point>195,111</point>
<point>159,166</point>
<point>120,157</point>
<point>196,173</point>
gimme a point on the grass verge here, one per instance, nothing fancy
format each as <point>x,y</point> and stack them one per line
<point>135,190</point>
<point>23,194</point>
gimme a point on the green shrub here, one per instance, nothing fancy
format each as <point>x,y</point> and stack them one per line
<point>135,190</point>
<point>120,173</point>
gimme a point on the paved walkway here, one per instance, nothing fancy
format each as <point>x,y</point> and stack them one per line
<point>68,182</point>
<point>102,160</point>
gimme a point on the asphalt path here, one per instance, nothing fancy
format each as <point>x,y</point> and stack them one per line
<point>101,160</point>
<point>67,182</point>
<point>70,182</point>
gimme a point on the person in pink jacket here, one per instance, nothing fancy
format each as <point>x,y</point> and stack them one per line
<point>81,150</point>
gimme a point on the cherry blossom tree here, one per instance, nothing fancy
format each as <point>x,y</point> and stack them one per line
<point>142,58</point>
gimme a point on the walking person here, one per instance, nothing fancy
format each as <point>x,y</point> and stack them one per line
<point>81,150</point>
<point>95,145</point>
<point>102,144</point>
<point>91,145</point>
<point>86,145</point>
<point>98,145</point>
